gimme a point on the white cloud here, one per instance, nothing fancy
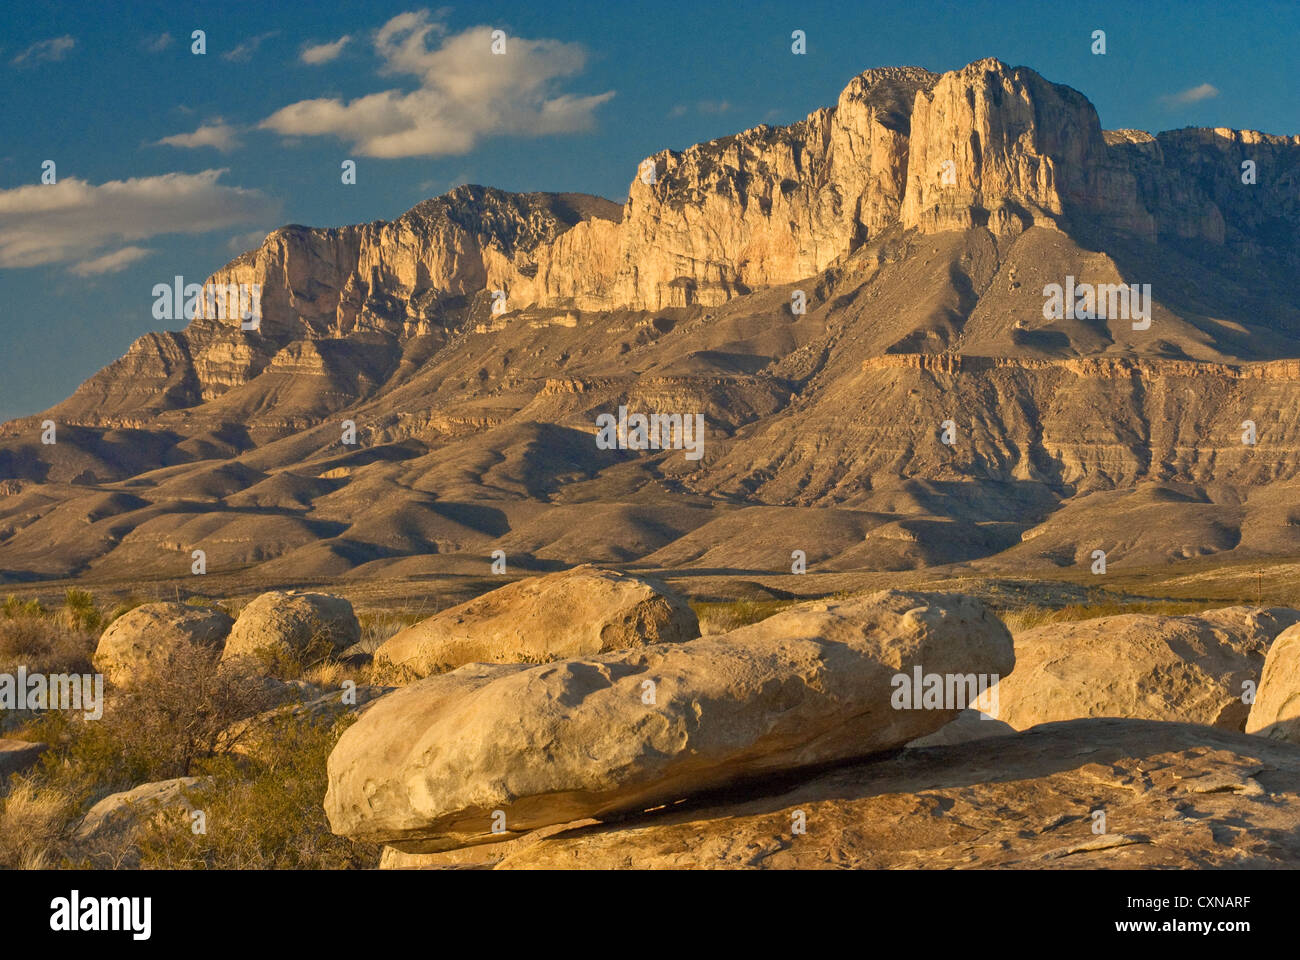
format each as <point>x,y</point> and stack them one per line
<point>465,93</point>
<point>323,52</point>
<point>245,50</point>
<point>113,262</point>
<point>159,43</point>
<point>53,49</point>
<point>710,107</point>
<point>218,135</point>
<point>73,220</point>
<point>242,242</point>
<point>1195,94</point>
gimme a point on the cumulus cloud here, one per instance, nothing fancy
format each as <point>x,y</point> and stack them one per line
<point>77,221</point>
<point>56,48</point>
<point>1195,94</point>
<point>465,93</point>
<point>113,262</point>
<point>323,52</point>
<point>217,135</point>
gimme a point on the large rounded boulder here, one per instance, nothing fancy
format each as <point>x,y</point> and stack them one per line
<point>580,612</point>
<point>142,641</point>
<point>1190,669</point>
<point>292,627</point>
<point>1276,711</point>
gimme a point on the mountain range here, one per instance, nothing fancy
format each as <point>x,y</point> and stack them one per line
<point>855,304</point>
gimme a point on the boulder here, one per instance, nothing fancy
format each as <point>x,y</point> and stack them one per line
<point>490,751</point>
<point>575,613</point>
<point>293,626</point>
<point>121,812</point>
<point>143,640</point>
<point>1276,711</point>
<point>1189,668</point>
<point>17,755</point>
<point>1174,796</point>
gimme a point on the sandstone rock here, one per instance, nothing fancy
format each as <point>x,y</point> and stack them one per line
<point>1188,668</point>
<point>17,755</point>
<point>121,812</point>
<point>427,766</point>
<point>573,613</point>
<point>1176,796</point>
<point>292,626</point>
<point>142,640</point>
<point>1276,711</point>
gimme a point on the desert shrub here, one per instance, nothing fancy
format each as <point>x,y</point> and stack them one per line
<point>1026,618</point>
<point>290,663</point>
<point>378,625</point>
<point>176,716</point>
<point>123,608</point>
<point>45,644</point>
<point>264,811</point>
<point>80,612</point>
<point>18,607</point>
<point>731,615</point>
<point>34,820</point>
<point>153,729</point>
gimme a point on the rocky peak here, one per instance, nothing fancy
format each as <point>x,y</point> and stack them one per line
<point>987,145</point>
<point>1001,147</point>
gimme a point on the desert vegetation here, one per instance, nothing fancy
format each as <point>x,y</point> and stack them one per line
<point>175,722</point>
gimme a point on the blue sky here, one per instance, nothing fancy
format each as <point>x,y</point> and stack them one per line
<point>171,163</point>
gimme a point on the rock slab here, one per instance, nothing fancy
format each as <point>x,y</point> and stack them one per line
<point>440,763</point>
<point>1176,796</point>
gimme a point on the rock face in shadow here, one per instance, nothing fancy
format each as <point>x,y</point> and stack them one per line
<point>1276,710</point>
<point>17,755</point>
<point>575,613</point>
<point>1175,796</point>
<point>1193,669</point>
<point>464,757</point>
